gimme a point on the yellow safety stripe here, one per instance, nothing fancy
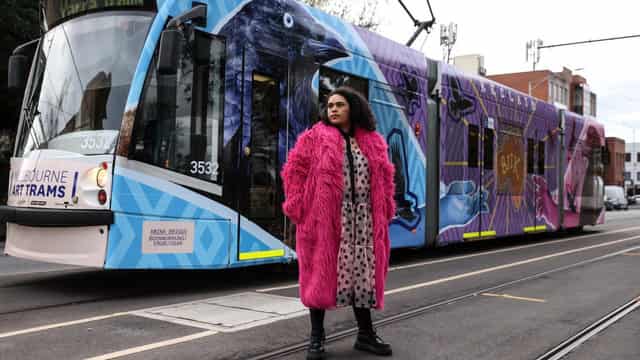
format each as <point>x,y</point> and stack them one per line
<point>254,255</point>
<point>535,228</point>
<point>472,235</point>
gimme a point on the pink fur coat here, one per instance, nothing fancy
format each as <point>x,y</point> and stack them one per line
<point>313,185</point>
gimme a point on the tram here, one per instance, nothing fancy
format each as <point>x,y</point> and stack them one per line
<point>153,133</point>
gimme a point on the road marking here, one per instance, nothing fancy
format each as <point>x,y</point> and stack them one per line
<point>462,257</point>
<point>59,325</point>
<point>506,266</point>
<point>156,345</point>
<point>283,287</point>
<point>66,270</point>
<point>511,297</point>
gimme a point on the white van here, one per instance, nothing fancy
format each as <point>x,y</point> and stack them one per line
<point>614,198</point>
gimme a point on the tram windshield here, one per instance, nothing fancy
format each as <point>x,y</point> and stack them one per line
<point>80,82</point>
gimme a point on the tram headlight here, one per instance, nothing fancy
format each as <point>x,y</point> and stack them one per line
<point>101,177</point>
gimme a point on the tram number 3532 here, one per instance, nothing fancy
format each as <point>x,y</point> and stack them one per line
<point>205,168</point>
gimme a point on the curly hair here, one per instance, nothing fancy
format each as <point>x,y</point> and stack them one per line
<point>360,113</point>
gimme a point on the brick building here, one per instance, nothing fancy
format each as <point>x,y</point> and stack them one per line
<point>614,162</point>
<point>562,87</point>
<point>632,167</point>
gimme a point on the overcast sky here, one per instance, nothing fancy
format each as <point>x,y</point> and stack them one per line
<point>499,30</point>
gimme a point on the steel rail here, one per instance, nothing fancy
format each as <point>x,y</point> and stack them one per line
<point>590,331</point>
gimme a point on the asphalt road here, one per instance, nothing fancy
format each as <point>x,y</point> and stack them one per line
<point>510,298</point>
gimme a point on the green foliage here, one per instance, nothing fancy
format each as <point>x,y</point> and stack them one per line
<point>18,24</point>
<point>18,20</point>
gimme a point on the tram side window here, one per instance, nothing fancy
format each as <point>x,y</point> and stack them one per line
<point>179,123</point>
<point>488,149</point>
<point>530,156</point>
<point>540,158</point>
<point>332,79</point>
<point>472,145</point>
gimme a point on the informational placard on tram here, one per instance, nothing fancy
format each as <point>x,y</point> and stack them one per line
<point>167,237</point>
<point>57,10</point>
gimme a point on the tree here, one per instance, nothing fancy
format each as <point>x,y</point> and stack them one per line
<point>363,15</point>
<point>18,24</point>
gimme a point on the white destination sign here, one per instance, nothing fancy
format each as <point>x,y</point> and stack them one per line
<point>43,182</point>
<point>167,237</point>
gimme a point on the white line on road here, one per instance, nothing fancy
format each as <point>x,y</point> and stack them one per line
<point>507,266</point>
<point>152,346</point>
<point>512,297</point>
<point>59,325</point>
<point>462,257</point>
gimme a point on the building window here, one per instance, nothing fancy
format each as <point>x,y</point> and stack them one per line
<point>627,157</point>
<point>638,176</point>
<point>627,175</point>
<point>638,157</point>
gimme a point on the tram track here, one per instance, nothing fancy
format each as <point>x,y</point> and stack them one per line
<point>593,329</point>
<point>419,311</point>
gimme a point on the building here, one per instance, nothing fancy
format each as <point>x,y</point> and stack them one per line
<point>632,167</point>
<point>614,162</point>
<point>472,64</point>
<point>562,87</point>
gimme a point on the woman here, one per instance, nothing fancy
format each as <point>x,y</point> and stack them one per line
<point>339,190</point>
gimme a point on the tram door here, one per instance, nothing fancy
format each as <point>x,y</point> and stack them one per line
<point>261,193</point>
<point>487,171</point>
<point>471,187</point>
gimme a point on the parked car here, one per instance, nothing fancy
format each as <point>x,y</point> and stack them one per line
<point>614,198</point>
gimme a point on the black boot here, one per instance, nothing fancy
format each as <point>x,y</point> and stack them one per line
<point>367,339</point>
<point>316,347</point>
<point>316,342</point>
<point>370,342</point>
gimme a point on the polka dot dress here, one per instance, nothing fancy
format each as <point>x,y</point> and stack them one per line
<point>356,259</point>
